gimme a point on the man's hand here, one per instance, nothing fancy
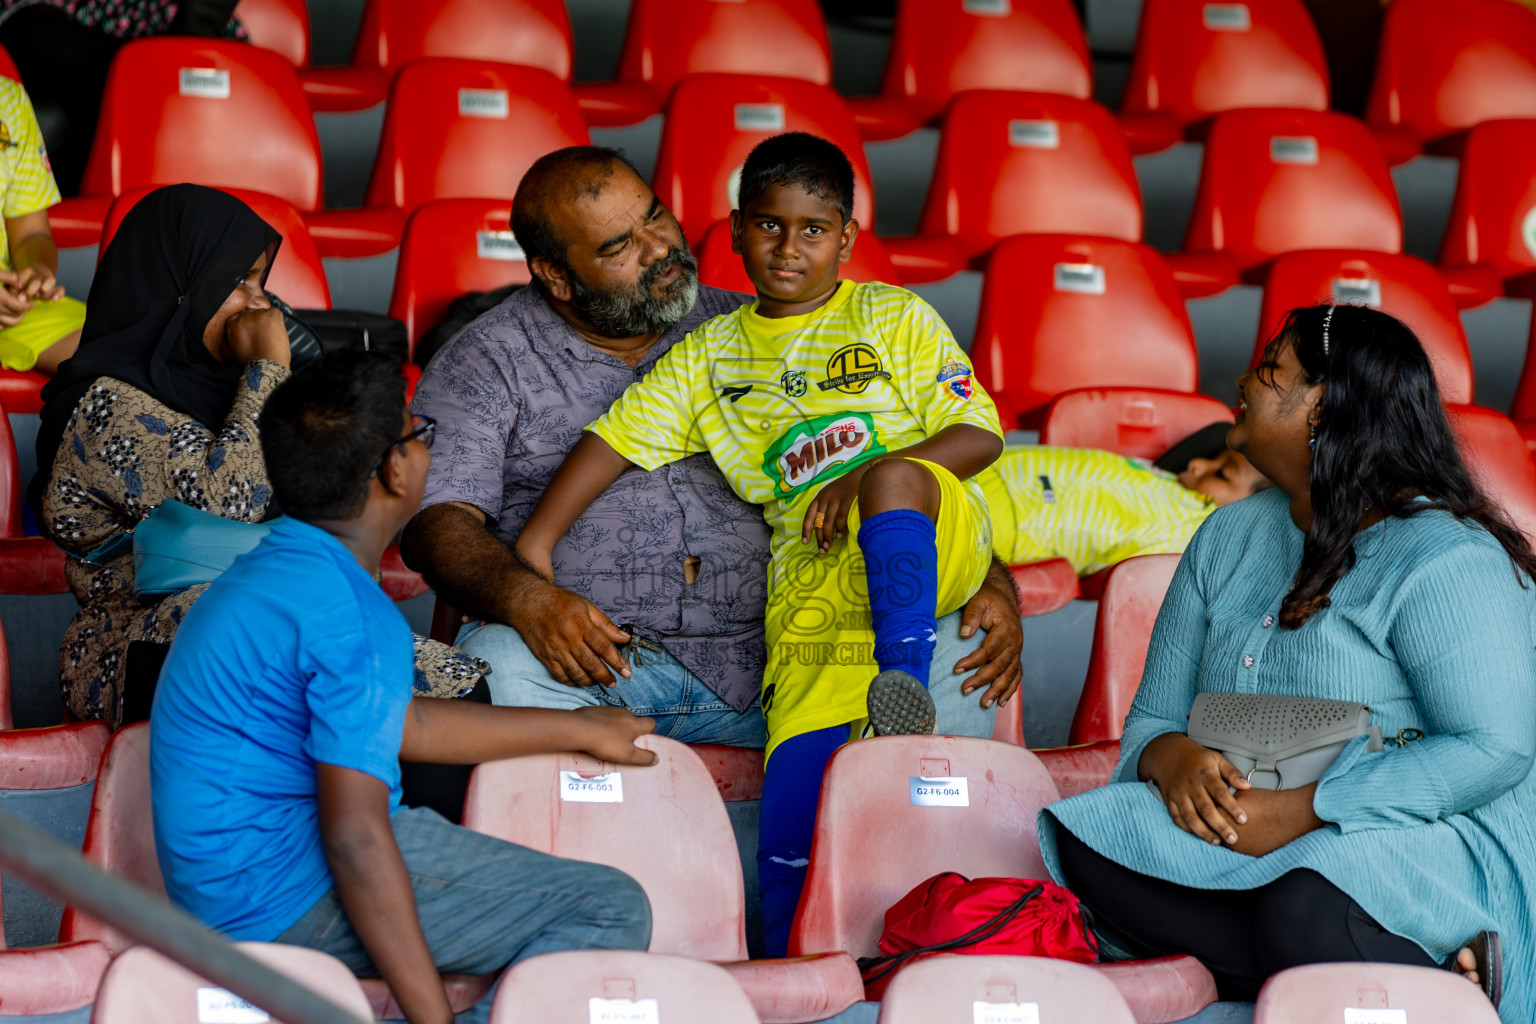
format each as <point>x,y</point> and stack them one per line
<point>1000,669</point>
<point>37,282</point>
<point>832,504</point>
<point>1196,783</point>
<point>13,304</point>
<point>610,734</point>
<point>569,634</point>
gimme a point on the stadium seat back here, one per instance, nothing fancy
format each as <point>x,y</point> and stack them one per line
<point>713,122</point>
<point>583,986</point>
<point>278,25</point>
<point>667,40</point>
<point>896,810</point>
<point>1493,214</point>
<point>208,111</point>
<point>120,835</point>
<point>1499,460</point>
<point>1275,181</point>
<point>1440,70</point>
<point>536,33</point>
<point>1061,312</point>
<point>1140,422</point>
<point>8,66</point>
<point>1133,595</point>
<point>297,276</point>
<point>665,826</point>
<point>721,268</point>
<point>11,493</point>
<point>143,985</point>
<point>462,128</point>
<point>1010,988</point>
<point>452,247</point>
<point>938,51</point>
<point>1405,286</point>
<point>1195,59</point>
<point>1013,163</point>
<point>1318,992</point>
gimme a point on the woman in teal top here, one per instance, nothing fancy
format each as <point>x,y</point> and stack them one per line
<point>1374,572</point>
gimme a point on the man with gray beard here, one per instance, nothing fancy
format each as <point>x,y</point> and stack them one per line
<point>659,592</point>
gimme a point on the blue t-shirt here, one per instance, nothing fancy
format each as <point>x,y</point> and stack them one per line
<point>293,656</point>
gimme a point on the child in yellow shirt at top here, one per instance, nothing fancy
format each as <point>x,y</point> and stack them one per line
<point>849,412</point>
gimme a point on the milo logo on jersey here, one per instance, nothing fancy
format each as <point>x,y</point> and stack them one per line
<point>820,448</point>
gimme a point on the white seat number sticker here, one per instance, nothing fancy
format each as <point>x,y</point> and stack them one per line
<point>1354,1015</point>
<point>592,789</point>
<point>498,245</point>
<point>939,792</point>
<point>623,1011</point>
<point>483,103</point>
<point>209,83</point>
<point>221,1006</point>
<point>1357,289</point>
<point>1005,1013</point>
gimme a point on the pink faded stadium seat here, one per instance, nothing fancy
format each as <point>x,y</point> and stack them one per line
<point>668,830</point>
<point>143,985</point>
<point>1195,59</point>
<point>1499,460</point>
<point>948,988</point>
<point>940,49</point>
<point>297,275</point>
<point>1274,181</point>
<point>585,986</point>
<point>1318,992</point>
<point>667,40</point>
<point>278,25</point>
<point>1493,216</point>
<point>720,267</point>
<point>451,247</point>
<point>1140,422</point>
<point>41,981</point>
<point>536,33</point>
<point>453,129</point>
<point>1402,285</point>
<point>1133,595</point>
<point>1437,76</point>
<point>713,122</point>
<point>1061,312</point>
<point>873,845</point>
<point>179,109</point>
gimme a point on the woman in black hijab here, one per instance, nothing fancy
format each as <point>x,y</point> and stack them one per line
<point>180,350</point>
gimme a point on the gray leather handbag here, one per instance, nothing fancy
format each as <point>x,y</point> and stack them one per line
<point>1279,742</point>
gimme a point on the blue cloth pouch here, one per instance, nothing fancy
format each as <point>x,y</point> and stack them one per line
<point>178,547</point>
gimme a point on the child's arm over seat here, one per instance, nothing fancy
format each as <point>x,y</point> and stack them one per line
<point>587,472</point>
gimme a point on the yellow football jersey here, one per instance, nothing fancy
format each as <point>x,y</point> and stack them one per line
<point>26,180</point>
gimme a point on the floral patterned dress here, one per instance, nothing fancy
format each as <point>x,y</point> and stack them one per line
<point>124,453</point>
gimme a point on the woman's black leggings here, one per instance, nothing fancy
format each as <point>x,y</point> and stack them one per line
<point>1242,936</point>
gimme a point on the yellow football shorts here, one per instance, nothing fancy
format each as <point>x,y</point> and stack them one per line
<point>820,643</point>
<point>45,323</point>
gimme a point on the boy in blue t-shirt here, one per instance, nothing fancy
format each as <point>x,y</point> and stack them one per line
<point>284,711</point>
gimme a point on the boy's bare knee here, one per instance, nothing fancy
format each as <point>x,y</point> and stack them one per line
<point>898,483</point>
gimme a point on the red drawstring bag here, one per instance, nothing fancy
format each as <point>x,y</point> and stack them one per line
<point>950,913</point>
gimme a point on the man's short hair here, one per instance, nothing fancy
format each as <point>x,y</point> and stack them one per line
<point>576,172</point>
<point>325,429</point>
<point>799,158</point>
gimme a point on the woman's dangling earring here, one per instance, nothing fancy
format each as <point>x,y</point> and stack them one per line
<point>1312,438</point>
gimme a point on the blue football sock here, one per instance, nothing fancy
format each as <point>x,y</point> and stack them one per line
<point>902,558</point>
<point>786,821</point>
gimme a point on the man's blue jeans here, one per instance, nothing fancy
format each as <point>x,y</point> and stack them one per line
<point>485,904</point>
<point>684,708</point>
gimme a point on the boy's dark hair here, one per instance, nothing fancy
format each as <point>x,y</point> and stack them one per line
<point>324,430</point>
<point>799,158</point>
<point>569,173</point>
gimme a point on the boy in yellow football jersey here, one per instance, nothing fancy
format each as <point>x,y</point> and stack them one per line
<point>849,412</point>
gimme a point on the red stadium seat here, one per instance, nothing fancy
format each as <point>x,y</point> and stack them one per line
<point>872,845</point>
<point>1194,60</point>
<point>1060,312</point>
<point>1080,769</point>
<point>938,52</point>
<point>1440,70</point>
<point>715,120</point>
<point>1493,217</point>
<point>1404,286</point>
<point>665,827</point>
<point>209,111</point>
<point>1499,460</point>
<point>143,985</point>
<point>1139,422</point>
<point>1133,594</point>
<point>453,129</point>
<point>720,267</point>
<point>668,40</point>
<point>297,275</point>
<point>393,32</point>
<point>1030,163</point>
<point>948,988</point>
<point>1318,992</point>
<point>603,985</point>
<point>452,247</point>
<point>1275,181</point>
<point>278,25</point>
<point>8,66</point>
<point>28,565</point>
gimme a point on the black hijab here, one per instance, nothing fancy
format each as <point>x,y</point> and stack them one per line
<point>176,257</point>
